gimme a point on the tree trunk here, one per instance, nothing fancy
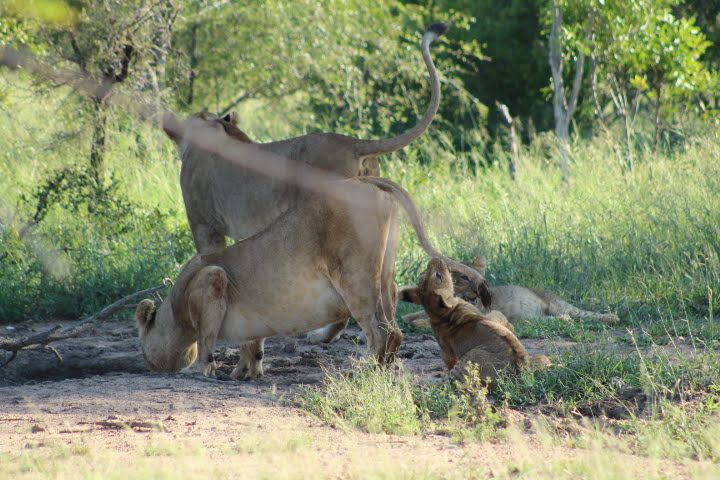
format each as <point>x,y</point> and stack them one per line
<point>514,149</point>
<point>563,108</point>
<point>658,100</point>
<point>562,130</point>
<point>193,63</point>
<point>97,147</point>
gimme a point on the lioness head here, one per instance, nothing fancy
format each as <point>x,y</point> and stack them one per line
<point>166,346</point>
<point>228,123</point>
<point>464,287</point>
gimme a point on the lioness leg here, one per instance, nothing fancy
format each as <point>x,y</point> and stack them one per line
<point>207,307</point>
<point>208,240</point>
<point>250,365</point>
<point>327,334</point>
<point>360,286</point>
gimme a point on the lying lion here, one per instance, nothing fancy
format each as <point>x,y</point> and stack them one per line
<point>334,256</point>
<point>515,302</point>
<point>464,333</point>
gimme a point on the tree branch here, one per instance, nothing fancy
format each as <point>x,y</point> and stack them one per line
<point>42,339</point>
<point>580,67</point>
<point>235,103</point>
<point>559,104</point>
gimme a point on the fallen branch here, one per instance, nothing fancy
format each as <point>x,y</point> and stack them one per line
<point>57,333</point>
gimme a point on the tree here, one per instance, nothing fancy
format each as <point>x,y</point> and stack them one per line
<point>563,107</point>
<point>116,41</point>
<point>642,52</point>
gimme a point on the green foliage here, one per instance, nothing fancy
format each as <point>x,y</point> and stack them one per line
<point>378,399</point>
<point>582,377</point>
<point>549,327</point>
<point>472,415</point>
<point>372,398</point>
<point>678,433</point>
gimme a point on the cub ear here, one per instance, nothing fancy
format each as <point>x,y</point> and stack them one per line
<point>231,118</point>
<point>145,315</point>
<point>483,292</point>
<point>480,264</point>
<point>447,301</point>
<point>410,294</point>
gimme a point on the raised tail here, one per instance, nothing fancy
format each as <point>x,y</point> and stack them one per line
<point>366,148</point>
<point>402,196</point>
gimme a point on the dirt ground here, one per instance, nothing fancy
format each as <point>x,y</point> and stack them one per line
<point>102,397</point>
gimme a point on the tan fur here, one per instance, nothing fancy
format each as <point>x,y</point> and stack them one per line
<point>515,302</point>
<point>333,259</point>
<point>224,199</point>
<point>462,331</point>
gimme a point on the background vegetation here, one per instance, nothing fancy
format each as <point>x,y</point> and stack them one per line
<point>90,207</point>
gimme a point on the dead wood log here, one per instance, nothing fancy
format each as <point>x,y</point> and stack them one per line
<point>57,333</point>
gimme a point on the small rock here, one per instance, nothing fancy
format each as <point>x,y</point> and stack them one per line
<point>37,429</point>
<point>290,347</point>
<point>410,353</point>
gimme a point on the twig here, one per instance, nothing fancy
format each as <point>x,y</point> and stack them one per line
<point>42,339</point>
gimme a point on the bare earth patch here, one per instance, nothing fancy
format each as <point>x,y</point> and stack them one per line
<point>101,414</point>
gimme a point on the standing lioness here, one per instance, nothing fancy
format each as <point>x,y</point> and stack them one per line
<point>334,257</point>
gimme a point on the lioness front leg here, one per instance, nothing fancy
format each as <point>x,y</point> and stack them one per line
<point>207,307</point>
<point>250,364</point>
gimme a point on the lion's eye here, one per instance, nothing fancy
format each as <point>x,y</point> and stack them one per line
<point>465,277</point>
<point>438,275</point>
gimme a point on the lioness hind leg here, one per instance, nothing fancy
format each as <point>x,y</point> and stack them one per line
<point>207,239</point>
<point>250,364</point>
<point>207,307</point>
<point>327,334</point>
<point>365,305</point>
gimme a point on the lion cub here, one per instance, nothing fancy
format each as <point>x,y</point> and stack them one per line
<point>463,332</point>
<point>515,302</point>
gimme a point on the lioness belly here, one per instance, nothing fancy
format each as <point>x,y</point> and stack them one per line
<point>291,312</point>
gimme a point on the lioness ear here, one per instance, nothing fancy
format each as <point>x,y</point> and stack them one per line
<point>231,117</point>
<point>480,264</point>
<point>410,294</point>
<point>145,314</point>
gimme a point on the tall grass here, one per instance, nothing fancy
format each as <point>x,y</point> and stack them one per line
<point>644,243</point>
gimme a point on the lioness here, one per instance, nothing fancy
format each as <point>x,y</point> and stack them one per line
<point>223,198</point>
<point>515,302</point>
<point>463,332</point>
<point>334,257</point>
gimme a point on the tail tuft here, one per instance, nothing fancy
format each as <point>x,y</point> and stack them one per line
<point>438,28</point>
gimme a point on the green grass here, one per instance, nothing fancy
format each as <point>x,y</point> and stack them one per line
<point>371,398</point>
<point>645,243</point>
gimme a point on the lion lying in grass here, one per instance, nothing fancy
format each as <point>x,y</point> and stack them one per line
<point>464,333</point>
<point>515,302</point>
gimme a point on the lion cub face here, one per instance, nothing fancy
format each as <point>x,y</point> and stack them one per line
<point>435,291</point>
<point>165,348</point>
